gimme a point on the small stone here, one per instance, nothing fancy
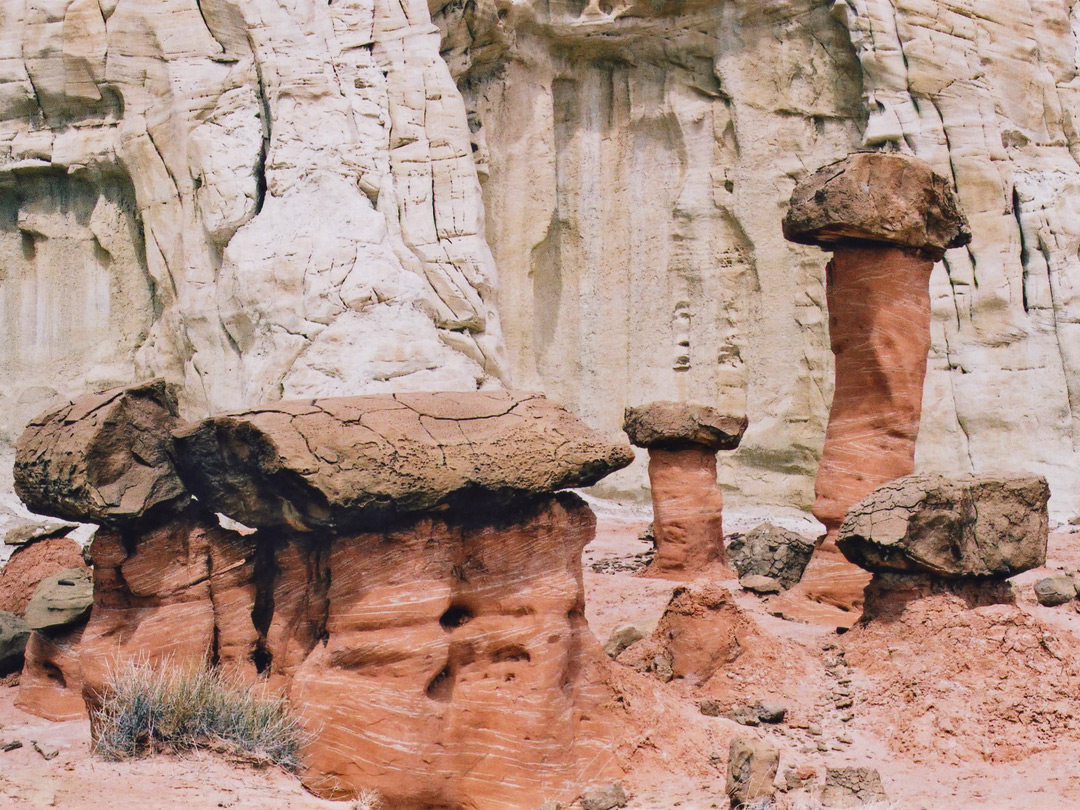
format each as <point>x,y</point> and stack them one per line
<point>795,778</point>
<point>743,715</point>
<point>604,798</point>
<point>845,738</point>
<point>46,752</point>
<point>11,746</point>
<point>814,729</point>
<point>852,787</point>
<point>60,599</point>
<point>844,703</point>
<point>770,711</point>
<point>752,766</point>
<point>847,718</point>
<point>709,708</point>
<point>1055,590</point>
<point>760,584</point>
<point>622,637</point>
<point>661,667</point>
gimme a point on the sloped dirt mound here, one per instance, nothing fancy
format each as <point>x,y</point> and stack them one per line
<point>958,675</point>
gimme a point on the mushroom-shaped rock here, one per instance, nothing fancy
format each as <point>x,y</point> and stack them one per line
<point>953,528</point>
<point>359,461</point>
<point>102,458</point>
<point>887,218</point>
<point>682,439</point>
<point>879,197</point>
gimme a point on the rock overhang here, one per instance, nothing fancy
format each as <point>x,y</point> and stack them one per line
<point>877,198</point>
<point>362,462</point>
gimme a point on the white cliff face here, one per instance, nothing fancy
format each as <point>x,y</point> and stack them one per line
<point>254,199</point>
<point>637,160</point>
<point>264,198</point>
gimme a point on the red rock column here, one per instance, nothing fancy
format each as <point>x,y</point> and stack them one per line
<point>879,327</point>
<point>887,218</point>
<point>683,439</point>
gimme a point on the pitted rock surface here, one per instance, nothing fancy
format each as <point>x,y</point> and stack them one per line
<point>968,526</point>
<point>102,458</point>
<point>332,463</point>
<point>671,424</point>
<point>883,197</point>
<point>771,552</point>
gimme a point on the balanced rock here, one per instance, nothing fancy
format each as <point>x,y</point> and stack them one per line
<point>668,424</point>
<point>771,552</point>
<point>877,197</point>
<point>682,439</point>
<point>967,526</point>
<point>102,458</point>
<point>60,599</point>
<point>14,633</point>
<point>334,463</point>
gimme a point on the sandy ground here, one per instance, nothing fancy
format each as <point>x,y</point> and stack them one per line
<point>948,727</point>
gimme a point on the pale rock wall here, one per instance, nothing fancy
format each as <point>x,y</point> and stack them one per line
<point>254,199</point>
<point>637,158</point>
<point>283,197</point>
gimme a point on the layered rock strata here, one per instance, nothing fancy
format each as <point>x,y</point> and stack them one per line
<point>682,440</point>
<point>414,587</point>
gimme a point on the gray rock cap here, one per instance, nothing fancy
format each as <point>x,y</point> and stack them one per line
<point>670,424</point>
<point>883,197</point>
<point>967,526</point>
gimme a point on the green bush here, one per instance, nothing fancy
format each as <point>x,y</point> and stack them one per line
<point>165,708</point>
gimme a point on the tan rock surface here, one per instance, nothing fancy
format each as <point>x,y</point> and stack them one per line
<point>338,462</point>
<point>102,458</point>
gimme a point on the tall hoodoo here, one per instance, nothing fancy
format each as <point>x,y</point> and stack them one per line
<point>887,218</point>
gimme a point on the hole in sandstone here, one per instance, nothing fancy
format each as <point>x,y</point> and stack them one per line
<point>441,685</point>
<point>455,616</point>
<point>261,658</point>
<point>512,652</point>
<point>53,673</point>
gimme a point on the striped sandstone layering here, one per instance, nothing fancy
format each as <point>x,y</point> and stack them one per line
<point>887,218</point>
<point>411,582</point>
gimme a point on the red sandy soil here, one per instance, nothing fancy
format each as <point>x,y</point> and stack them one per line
<point>957,708</point>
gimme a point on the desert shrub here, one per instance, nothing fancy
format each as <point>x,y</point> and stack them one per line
<point>167,708</point>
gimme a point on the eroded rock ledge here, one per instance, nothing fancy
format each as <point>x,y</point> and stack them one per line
<point>413,584</point>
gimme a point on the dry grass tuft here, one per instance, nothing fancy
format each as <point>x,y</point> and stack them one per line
<point>159,708</point>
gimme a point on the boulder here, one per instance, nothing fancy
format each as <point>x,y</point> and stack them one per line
<point>771,552</point>
<point>102,458</point>
<point>60,599</point>
<point>879,197</point>
<point>606,797</point>
<point>622,637</point>
<point>1056,590</point>
<point>358,461</point>
<point>14,633</point>
<point>674,424</point>
<point>30,564</point>
<point>752,766</point>
<point>966,526</point>
<point>760,584</point>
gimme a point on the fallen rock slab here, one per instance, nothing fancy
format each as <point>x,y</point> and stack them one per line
<point>852,787</point>
<point>102,458</point>
<point>966,526</point>
<point>336,463</point>
<point>40,530</point>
